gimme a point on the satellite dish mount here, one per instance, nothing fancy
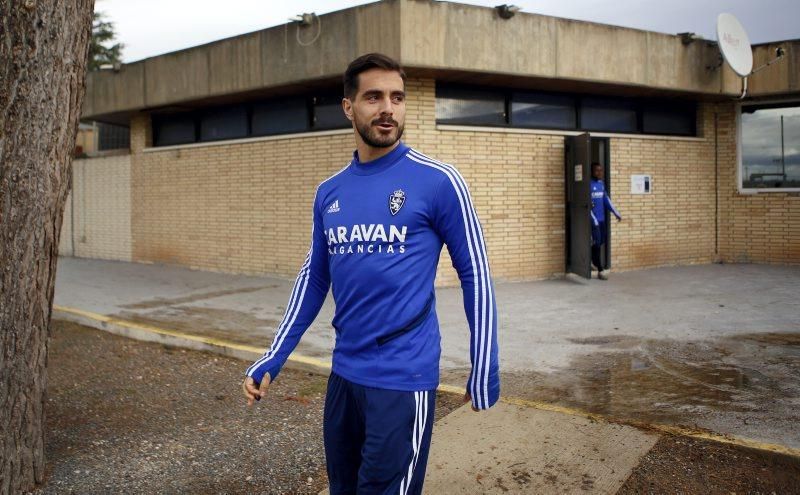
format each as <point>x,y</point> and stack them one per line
<point>736,50</point>
<point>735,47</point>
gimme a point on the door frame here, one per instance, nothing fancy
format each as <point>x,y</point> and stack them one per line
<point>604,157</point>
<point>600,150</point>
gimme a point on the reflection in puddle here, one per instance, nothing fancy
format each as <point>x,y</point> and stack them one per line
<point>651,387</point>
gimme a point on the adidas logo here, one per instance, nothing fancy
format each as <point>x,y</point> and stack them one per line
<point>334,207</point>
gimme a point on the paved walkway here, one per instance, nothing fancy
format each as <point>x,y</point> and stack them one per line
<point>714,346</point>
<point>540,322</point>
<point>518,449</point>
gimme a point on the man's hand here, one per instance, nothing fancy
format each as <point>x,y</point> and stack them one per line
<point>253,393</point>
<point>468,398</point>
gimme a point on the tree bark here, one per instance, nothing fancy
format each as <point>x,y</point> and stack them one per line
<point>43,55</point>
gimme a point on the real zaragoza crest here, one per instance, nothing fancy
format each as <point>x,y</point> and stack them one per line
<point>396,201</point>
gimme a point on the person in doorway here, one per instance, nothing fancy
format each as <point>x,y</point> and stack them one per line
<point>378,228</point>
<point>601,203</point>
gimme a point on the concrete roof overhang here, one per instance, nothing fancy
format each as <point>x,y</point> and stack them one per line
<point>444,40</point>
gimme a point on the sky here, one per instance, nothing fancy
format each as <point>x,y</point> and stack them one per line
<point>152,27</point>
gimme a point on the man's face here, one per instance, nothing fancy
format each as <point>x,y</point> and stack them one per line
<point>598,172</point>
<point>378,110</point>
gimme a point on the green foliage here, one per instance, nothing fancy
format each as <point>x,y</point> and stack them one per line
<point>101,51</point>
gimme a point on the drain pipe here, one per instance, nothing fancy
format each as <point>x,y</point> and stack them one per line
<point>72,207</point>
<point>716,186</point>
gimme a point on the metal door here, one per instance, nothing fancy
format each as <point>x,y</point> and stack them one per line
<point>578,191</point>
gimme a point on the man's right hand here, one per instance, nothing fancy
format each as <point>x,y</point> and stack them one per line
<point>253,392</point>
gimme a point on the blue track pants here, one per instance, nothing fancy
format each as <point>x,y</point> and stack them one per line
<point>376,440</point>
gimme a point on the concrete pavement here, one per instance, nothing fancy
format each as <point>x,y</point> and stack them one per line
<point>712,351</point>
<point>518,449</point>
<point>539,321</point>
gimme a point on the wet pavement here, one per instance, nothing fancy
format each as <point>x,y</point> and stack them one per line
<point>712,347</point>
<point>746,385</point>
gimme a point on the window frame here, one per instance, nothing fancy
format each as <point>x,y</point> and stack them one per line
<point>650,104</point>
<point>312,104</point>
<point>494,91</point>
<point>634,104</point>
<point>196,116</point>
<point>739,154</point>
<point>156,121</point>
<point>202,114</point>
<point>638,104</point>
<point>126,142</point>
<point>296,99</point>
<point>575,109</point>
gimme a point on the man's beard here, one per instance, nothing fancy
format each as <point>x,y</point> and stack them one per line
<point>375,138</point>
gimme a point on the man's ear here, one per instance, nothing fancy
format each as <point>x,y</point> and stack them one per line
<point>347,106</point>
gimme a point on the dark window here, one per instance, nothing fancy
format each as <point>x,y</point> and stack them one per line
<point>112,137</point>
<point>223,123</point>
<point>771,146</point>
<point>284,115</point>
<point>669,118</point>
<point>542,111</point>
<point>472,107</point>
<point>280,117</point>
<point>328,113</point>
<point>174,129</point>
<point>608,114</point>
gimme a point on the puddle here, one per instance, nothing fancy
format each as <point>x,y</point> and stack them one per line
<point>746,385</point>
<point>650,386</point>
<point>772,338</point>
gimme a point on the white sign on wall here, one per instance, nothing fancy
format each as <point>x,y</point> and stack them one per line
<point>641,184</point>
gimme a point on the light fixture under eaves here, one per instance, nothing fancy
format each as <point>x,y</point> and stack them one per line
<point>304,19</point>
<point>506,11</point>
<point>687,38</point>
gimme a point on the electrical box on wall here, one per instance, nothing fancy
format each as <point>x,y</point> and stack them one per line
<point>641,184</point>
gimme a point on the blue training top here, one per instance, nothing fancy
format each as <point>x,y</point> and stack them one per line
<point>601,202</point>
<point>378,231</point>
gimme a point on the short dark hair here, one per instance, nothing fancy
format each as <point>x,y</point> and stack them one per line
<point>365,63</point>
<point>595,164</point>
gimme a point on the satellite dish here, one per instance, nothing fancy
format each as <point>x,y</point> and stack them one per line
<point>734,44</point>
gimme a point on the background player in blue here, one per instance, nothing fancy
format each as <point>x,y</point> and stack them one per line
<point>600,203</point>
<point>379,227</point>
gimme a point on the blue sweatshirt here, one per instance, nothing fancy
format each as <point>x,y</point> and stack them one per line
<point>378,231</point>
<point>601,202</point>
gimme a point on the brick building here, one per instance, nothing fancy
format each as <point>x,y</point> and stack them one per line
<point>228,140</point>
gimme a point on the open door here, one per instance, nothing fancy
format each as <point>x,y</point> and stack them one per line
<point>578,192</point>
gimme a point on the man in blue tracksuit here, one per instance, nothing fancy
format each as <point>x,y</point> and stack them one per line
<point>600,203</point>
<point>379,227</point>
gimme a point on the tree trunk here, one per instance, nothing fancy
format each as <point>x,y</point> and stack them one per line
<point>43,55</point>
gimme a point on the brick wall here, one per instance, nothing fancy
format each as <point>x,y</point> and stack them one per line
<point>755,228</point>
<point>97,216</point>
<point>517,180</point>
<point>675,223</point>
<point>245,207</point>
